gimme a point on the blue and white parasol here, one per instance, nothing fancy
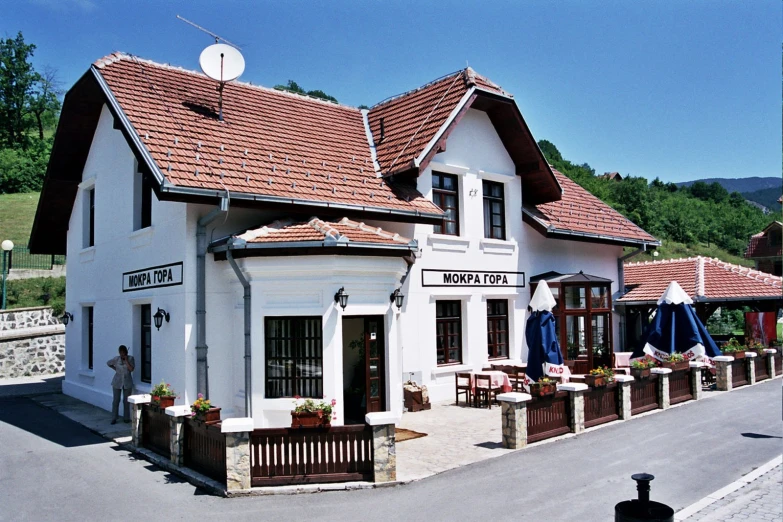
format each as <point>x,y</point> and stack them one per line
<point>544,355</point>
<point>677,329</point>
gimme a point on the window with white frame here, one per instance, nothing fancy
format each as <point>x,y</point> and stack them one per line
<point>87,337</point>
<point>494,210</point>
<point>142,201</point>
<point>88,230</point>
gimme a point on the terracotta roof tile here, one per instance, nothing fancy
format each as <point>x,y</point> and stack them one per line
<point>702,278</point>
<point>760,244</point>
<point>344,230</point>
<point>581,212</point>
<point>271,143</point>
<point>412,119</point>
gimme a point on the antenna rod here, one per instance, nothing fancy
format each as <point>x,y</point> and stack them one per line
<point>210,33</point>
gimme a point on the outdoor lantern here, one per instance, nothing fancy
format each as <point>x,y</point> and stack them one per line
<point>397,298</point>
<point>66,318</point>
<point>341,297</point>
<point>159,316</point>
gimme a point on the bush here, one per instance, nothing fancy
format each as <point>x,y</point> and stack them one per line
<point>37,291</point>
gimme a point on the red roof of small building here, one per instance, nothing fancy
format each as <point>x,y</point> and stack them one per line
<point>703,278</point>
<point>344,230</point>
<point>271,142</point>
<point>760,245</point>
<point>581,213</point>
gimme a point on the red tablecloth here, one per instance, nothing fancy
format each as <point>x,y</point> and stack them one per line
<point>498,380</point>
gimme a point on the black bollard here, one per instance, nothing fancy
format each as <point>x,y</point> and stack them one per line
<point>643,509</point>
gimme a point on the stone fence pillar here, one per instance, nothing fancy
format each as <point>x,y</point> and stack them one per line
<point>513,414</point>
<point>177,415</point>
<point>136,402</point>
<point>696,389</point>
<point>576,396</point>
<point>723,372</point>
<point>383,444</point>
<point>237,433</point>
<point>751,366</point>
<point>624,395</point>
<point>663,386</point>
<point>769,355</point>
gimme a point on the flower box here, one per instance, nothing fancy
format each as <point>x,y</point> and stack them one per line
<point>539,389</point>
<point>676,366</point>
<point>163,401</point>
<point>309,420</point>
<point>595,381</point>
<point>640,373</point>
<point>209,416</point>
<point>736,355</point>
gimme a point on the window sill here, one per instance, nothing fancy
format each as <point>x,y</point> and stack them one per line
<point>498,246</point>
<point>141,237</point>
<point>450,369</point>
<point>448,243</point>
<point>89,374</point>
<point>87,254</point>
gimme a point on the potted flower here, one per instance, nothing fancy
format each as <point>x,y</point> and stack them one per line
<point>311,414</point>
<point>203,411</point>
<point>600,376</point>
<point>163,395</point>
<point>676,362</point>
<point>543,387</point>
<point>754,346</point>
<point>640,368</point>
<point>733,348</point>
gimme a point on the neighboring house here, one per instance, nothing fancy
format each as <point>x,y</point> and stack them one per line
<point>765,249</point>
<point>615,176</point>
<point>242,236</point>
<point>711,284</point>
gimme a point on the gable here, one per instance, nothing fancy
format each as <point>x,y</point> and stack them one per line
<point>474,143</point>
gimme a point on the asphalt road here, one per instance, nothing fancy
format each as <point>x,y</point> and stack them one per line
<point>53,469</point>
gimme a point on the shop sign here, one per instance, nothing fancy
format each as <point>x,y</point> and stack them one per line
<point>462,278</point>
<point>152,277</point>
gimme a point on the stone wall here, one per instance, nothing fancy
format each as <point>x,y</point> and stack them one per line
<point>32,342</point>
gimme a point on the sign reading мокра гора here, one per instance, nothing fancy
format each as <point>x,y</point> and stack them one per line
<point>152,277</point>
<point>474,278</point>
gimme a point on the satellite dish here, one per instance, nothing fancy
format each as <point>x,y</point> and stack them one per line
<point>222,62</point>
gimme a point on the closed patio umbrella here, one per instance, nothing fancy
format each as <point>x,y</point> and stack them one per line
<point>677,329</point>
<point>544,355</point>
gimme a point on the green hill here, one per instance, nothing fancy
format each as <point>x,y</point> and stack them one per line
<point>17,212</point>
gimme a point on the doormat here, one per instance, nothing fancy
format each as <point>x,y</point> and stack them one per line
<point>401,434</point>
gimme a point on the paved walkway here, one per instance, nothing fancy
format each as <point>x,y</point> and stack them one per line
<point>27,386</point>
<point>756,500</point>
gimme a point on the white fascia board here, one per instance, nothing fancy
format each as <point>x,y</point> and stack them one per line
<point>371,142</point>
<point>435,139</point>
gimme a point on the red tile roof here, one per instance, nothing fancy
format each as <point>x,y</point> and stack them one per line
<point>703,278</point>
<point>412,119</point>
<point>581,213</point>
<point>271,143</point>
<point>342,231</point>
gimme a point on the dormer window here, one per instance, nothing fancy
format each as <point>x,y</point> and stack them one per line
<point>445,194</point>
<point>494,210</point>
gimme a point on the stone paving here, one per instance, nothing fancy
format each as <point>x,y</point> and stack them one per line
<point>759,501</point>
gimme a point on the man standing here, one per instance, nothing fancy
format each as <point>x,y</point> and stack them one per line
<point>122,383</point>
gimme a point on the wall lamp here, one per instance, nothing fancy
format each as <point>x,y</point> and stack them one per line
<point>341,297</point>
<point>159,316</point>
<point>397,298</point>
<point>66,318</point>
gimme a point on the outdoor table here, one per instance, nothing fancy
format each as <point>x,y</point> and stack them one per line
<point>497,378</point>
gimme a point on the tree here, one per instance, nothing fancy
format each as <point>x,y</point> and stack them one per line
<point>294,87</point>
<point>17,87</point>
<point>45,104</point>
<point>550,151</point>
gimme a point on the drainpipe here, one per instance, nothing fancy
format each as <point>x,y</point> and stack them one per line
<point>232,243</point>
<point>202,380</point>
<point>621,286</point>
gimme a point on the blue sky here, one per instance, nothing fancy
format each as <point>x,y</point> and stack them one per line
<point>676,89</point>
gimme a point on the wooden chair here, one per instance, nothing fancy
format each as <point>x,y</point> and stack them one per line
<point>485,392</point>
<point>621,362</point>
<point>462,386</point>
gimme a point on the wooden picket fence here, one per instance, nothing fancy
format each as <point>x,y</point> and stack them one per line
<point>311,455</point>
<point>548,417</point>
<point>739,373</point>
<point>601,405</point>
<point>205,449</point>
<point>155,430</point>
<point>680,386</point>
<point>644,395</point>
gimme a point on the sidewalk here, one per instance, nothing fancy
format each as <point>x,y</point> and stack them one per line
<point>28,386</point>
<point>756,497</point>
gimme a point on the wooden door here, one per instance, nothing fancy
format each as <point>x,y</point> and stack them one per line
<point>374,366</point>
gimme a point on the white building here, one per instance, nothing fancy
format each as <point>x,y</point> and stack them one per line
<point>440,193</point>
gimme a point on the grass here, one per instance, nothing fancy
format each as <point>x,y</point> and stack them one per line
<point>37,291</point>
<point>674,250</point>
<point>17,212</point>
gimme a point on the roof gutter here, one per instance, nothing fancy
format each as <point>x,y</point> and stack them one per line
<point>237,244</point>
